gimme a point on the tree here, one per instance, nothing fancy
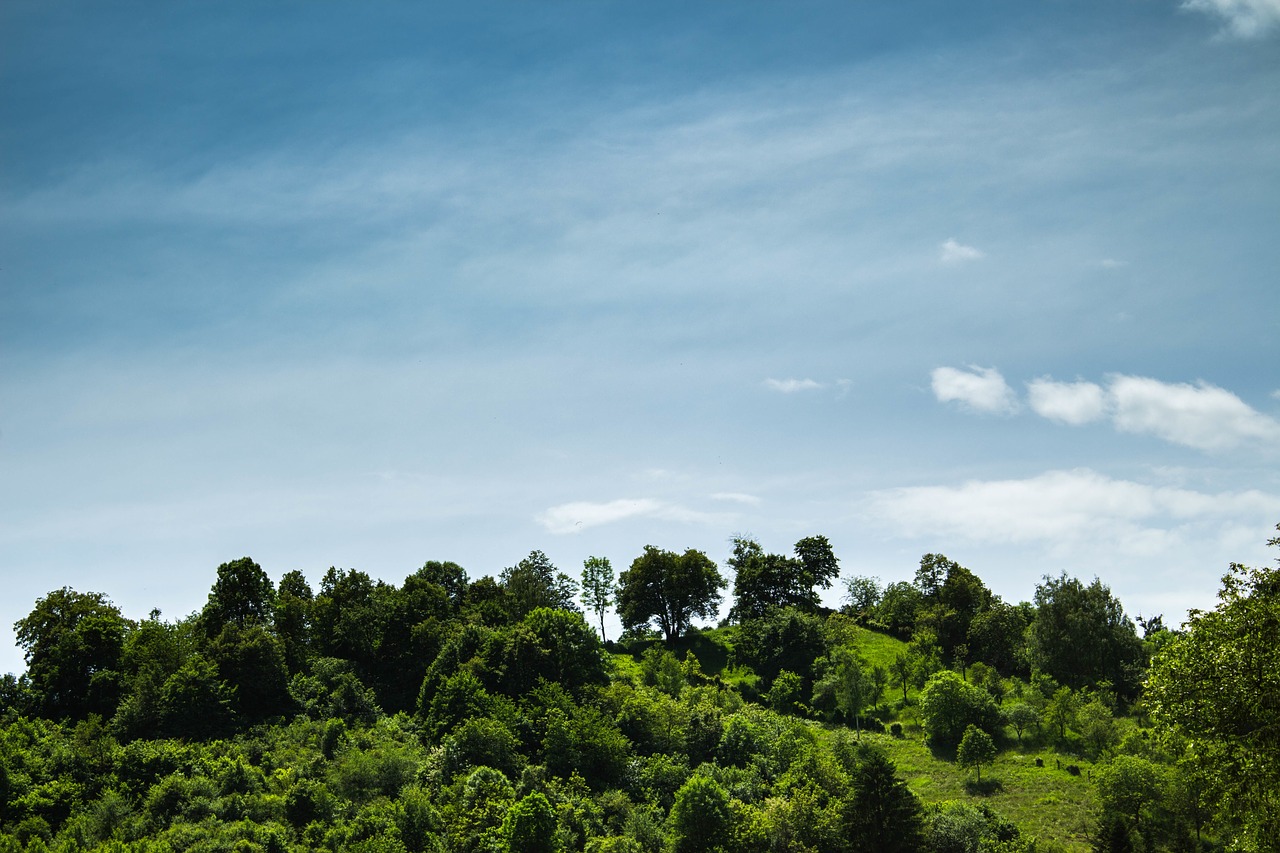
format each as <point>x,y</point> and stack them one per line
<point>1061,711</point>
<point>932,574</point>
<point>530,825</point>
<point>949,705</point>
<point>293,618</point>
<point>1218,685</point>
<point>902,668</point>
<point>900,605</point>
<point>862,594</point>
<point>73,642</point>
<point>670,589</point>
<point>1130,787</point>
<point>847,681</point>
<point>700,817</point>
<point>242,595</point>
<point>1080,636</point>
<point>763,582</point>
<point>819,567</point>
<point>976,749</point>
<point>1097,726</point>
<point>1021,716</point>
<point>597,587</point>
<point>534,582</point>
<point>883,814</point>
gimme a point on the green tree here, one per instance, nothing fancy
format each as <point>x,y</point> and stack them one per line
<point>902,668</point>
<point>597,587</point>
<point>293,619</point>
<point>1218,685</point>
<point>899,608</point>
<point>700,818</point>
<point>763,582</point>
<point>534,582</point>
<point>845,678</point>
<point>668,588</point>
<point>530,825</point>
<point>1097,725</point>
<point>1130,787</point>
<point>1021,716</point>
<point>976,749</point>
<point>949,705</point>
<point>882,815</point>
<point>819,567</point>
<point>73,642</point>
<point>862,595</point>
<point>1061,711</point>
<point>242,595</point>
<point>251,661</point>
<point>1081,636</point>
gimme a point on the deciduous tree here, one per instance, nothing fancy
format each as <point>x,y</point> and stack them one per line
<point>670,589</point>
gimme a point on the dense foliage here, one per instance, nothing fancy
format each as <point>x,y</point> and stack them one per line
<point>446,714</point>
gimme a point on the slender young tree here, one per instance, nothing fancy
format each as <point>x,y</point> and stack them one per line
<point>597,587</point>
<point>976,749</point>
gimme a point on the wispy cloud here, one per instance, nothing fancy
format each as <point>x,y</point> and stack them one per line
<point>953,252</point>
<point>982,389</point>
<point>1241,18</point>
<point>737,497</point>
<point>791,386</point>
<point>577,516</point>
<point>1068,402</point>
<point>1062,508</point>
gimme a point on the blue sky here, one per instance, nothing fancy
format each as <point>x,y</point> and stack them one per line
<point>370,284</point>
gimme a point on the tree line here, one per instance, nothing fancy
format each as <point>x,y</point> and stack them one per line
<point>447,713</point>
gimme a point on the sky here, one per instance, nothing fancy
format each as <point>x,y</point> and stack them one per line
<point>366,285</point>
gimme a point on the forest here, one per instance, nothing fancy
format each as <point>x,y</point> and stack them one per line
<point>452,714</point>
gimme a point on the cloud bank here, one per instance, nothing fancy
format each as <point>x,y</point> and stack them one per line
<point>1198,415</point>
<point>1064,508</point>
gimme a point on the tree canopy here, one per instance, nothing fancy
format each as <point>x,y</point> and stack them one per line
<point>669,589</point>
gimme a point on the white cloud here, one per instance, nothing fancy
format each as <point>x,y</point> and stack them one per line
<point>954,252</point>
<point>737,497</point>
<point>579,515</point>
<point>1243,18</point>
<point>1112,264</point>
<point>1063,508</point>
<point>791,386</point>
<point>980,388</point>
<point>1068,402</point>
<point>1203,416</point>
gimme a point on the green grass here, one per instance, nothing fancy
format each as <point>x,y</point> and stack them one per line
<point>1047,803</point>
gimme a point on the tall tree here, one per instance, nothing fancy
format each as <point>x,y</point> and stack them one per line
<point>765,581</point>
<point>534,582</point>
<point>597,587</point>
<point>1218,684</point>
<point>668,588</point>
<point>242,595</point>
<point>882,815</point>
<point>1081,636</point>
<point>73,642</point>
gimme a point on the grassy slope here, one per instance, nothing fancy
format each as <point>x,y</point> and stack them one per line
<point>1045,802</point>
